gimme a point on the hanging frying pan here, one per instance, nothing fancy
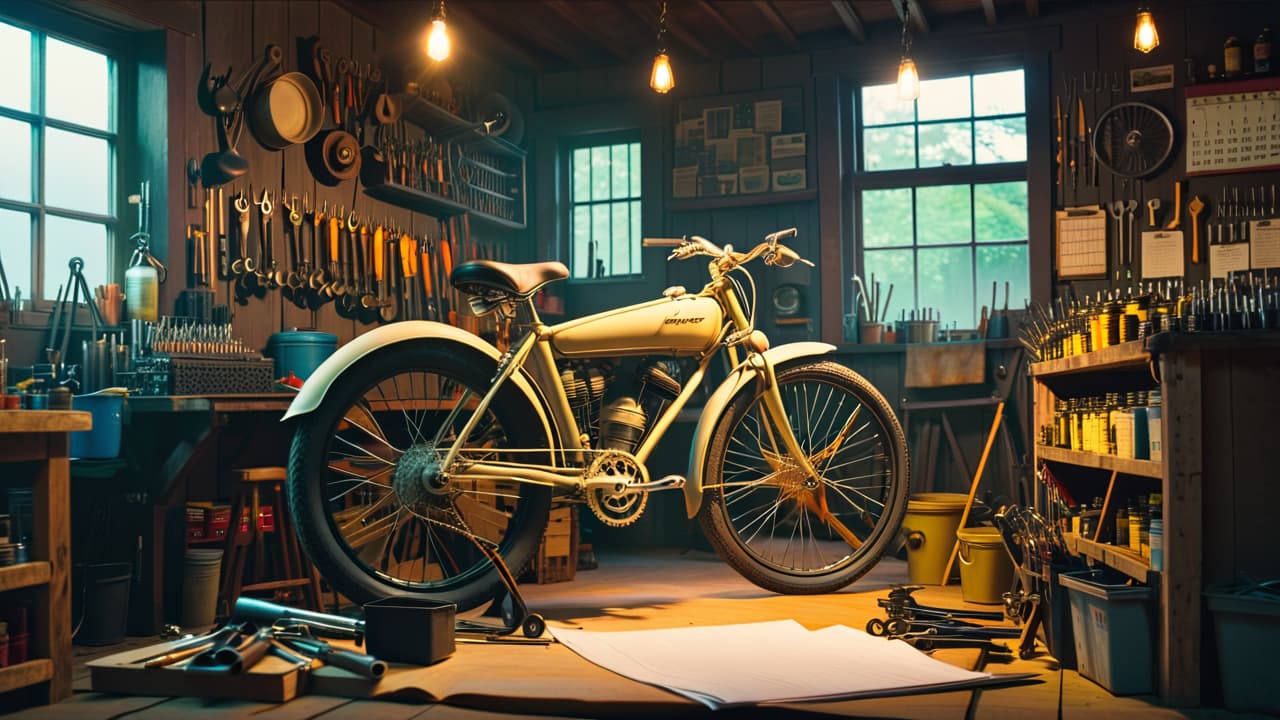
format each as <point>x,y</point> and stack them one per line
<point>333,157</point>
<point>286,110</point>
<point>500,118</point>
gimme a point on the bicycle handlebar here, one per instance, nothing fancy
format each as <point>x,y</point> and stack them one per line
<point>774,253</point>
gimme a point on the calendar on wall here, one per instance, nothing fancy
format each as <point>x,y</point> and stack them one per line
<point>1233,127</point>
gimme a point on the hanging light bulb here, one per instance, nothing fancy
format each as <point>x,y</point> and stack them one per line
<point>662,79</point>
<point>438,37</point>
<point>908,76</point>
<point>1145,37</point>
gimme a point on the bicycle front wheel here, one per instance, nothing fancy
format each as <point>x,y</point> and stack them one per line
<point>778,527</point>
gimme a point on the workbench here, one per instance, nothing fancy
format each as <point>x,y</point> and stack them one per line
<point>42,439</point>
<point>175,449</point>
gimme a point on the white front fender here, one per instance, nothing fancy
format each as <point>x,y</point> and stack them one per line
<point>317,385</point>
<point>715,407</point>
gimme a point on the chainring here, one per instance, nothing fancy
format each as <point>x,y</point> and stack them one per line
<point>615,508</point>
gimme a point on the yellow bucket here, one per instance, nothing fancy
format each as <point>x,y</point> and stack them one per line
<point>986,572</point>
<point>930,526</point>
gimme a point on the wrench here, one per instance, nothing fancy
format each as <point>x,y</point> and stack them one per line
<point>1130,208</point>
<point>1152,206</point>
<point>244,263</point>
<point>266,256</point>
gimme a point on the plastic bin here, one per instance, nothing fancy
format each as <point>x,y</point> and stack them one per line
<point>409,630</point>
<point>930,526</point>
<point>104,611</point>
<point>1111,622</point>
<point>103,440</point>
<point>202,570</point>
<point>986,572</point>
<point>1247,624</point>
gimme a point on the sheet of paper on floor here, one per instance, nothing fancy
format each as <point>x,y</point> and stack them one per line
<point>753,663</point>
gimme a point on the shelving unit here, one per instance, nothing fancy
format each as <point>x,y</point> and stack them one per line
<point>42,438</point>
<point>1220,396</point>
<point>486,173</point>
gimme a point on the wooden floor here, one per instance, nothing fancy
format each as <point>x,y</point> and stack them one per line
<point>668,588</point>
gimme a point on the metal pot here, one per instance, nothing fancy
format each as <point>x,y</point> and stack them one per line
<point>286,110</point>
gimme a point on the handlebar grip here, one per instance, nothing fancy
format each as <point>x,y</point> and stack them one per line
<point>780,235</point>
<point>662,242</point>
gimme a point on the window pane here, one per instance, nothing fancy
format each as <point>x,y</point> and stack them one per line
<point>942,215</point>
<point>1003,140</point>
<point>891,267</point>
<point>635,171</point>
<point>891,148</point>
<point>881,106</point>
<point>581,175</point>
<point>634,240</point>
<point>64,239</point>
<point>621,183</point>
<point>599,240</point>
<point>618,239</point>
<point>886,218</point>
<point>945,144</point>
<point>944,98</point>
<point>1001,264</point>
<point>1000,211</point>
<point>1001,93</point>
<point>946,284</point>
<point>76,171</point>
<point>15,250</point>
<point>77,84</point>
<point>581,239</point>
<point>15,58</point>
<point>600,173</point>
<point>15,148</point>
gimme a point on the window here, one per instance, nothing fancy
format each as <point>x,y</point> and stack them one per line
<point>943,194</point>
<point>604,221</point>
<point>58,138</point>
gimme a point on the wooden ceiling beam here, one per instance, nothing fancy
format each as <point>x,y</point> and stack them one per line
<point>989,10</point>
<point>531,31</point>
<point>1033,8</point>
<point>779,23</point>
<point>850,18</point>
<point>918,21</point>
<point>651,19</point>
<point>565,11</point>
<point>728,27</point>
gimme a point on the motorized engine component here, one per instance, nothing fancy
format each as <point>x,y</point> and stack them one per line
<point>622,424</point>
<point>584,387</point>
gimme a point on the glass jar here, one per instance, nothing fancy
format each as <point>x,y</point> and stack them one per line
<point>1231,57</point>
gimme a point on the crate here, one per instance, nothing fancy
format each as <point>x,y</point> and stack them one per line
<point>557,558</point>
<point>1247,624</point>
<point>1112,626</point>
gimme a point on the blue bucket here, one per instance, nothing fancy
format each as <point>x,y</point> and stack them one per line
<point>103,441</point>
<point>300,351</point>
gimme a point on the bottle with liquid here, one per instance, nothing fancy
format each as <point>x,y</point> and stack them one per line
<point>1135,526</point>
<point>1231,57</point>
<point>1262,53</point>
<point>1122,527</point>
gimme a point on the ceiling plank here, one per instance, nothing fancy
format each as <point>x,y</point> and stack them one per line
<point>850,18</point>
<point>989,9</point>
<point>571,16</point>
<point>534,33</point>
<point>651,19</point>
<point>918,21</point>
<point>728,27</point>
<point>1033,8</point>
<point>778,22</point>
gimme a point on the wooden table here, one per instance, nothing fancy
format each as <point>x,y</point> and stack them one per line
<point>43,437</point>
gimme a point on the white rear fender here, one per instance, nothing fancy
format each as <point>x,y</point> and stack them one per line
<point>317,385</point>
<point>740,377</point>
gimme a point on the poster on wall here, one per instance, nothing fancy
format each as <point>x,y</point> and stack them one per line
<point>744,144</point>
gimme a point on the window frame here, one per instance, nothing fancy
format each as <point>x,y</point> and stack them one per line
<point>913,178</point>
<point>42,26</point>
<point>590,140</point>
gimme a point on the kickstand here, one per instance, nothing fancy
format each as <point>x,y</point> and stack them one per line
<point>507,604</point>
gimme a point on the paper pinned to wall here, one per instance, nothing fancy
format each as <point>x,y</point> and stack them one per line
<point>1162,254</point>
<point>1265,245</point>
<point>1230,258</point>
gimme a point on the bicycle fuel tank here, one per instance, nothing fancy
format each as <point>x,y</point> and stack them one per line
<point>687,325</point>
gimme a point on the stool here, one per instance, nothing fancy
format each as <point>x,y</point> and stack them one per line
<point>294,569</point>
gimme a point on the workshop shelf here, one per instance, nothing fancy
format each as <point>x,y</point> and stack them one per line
<point>1128,466</point>
<point>24,674</point>
<point>29,574</point>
